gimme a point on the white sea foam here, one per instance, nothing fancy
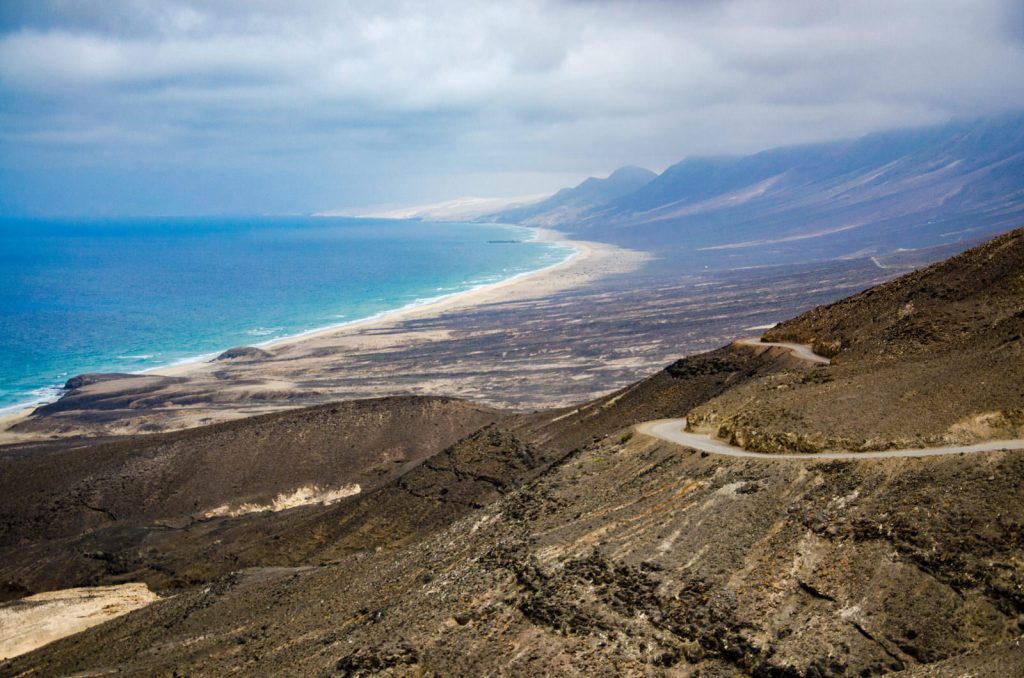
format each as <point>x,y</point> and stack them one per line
<point>202,358</point>
<point>263,331</point>
<point>47,392</point>
<point>41,396</point>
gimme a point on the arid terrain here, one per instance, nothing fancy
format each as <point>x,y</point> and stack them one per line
<point>529,339</point>
<point>533,346</point>
<point>566,541</point>
<point>931,358</point>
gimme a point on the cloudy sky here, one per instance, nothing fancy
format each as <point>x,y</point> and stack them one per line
<point>256,106</point>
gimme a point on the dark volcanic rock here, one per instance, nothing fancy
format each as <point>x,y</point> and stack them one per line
<point>93,378</point>
<point>243,352</point>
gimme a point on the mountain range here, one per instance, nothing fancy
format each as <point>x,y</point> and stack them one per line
<point>912,189</point>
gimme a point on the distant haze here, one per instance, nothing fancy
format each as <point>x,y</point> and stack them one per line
<point>238,106</point>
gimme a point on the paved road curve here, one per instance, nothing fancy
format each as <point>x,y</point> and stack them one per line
<point>672,431</point>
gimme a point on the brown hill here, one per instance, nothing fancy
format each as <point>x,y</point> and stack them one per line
<point>629,558</point>
<point>177,477</point>
<point>933,357</point>
<point>143,510</point>
<point>973,301</point>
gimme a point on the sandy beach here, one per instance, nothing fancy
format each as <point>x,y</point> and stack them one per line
<point>223,390</point>
<point>589,262</point>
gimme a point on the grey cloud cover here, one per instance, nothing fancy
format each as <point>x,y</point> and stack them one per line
<point>137,106</point>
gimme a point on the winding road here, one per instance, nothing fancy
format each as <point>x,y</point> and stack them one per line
<point>673,431</point>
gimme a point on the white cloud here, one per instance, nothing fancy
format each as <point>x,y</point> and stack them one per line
<point>497,89</point>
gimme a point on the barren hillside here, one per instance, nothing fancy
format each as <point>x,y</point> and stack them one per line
<point>933,357</point>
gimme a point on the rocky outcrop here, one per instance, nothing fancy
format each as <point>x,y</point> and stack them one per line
<point>90,378</point>
<point>243,353</point>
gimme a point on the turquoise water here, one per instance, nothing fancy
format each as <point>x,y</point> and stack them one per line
<point>128,295</point>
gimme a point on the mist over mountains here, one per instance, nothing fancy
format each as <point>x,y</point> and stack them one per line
<point>569,204</point>
<point>937,187</point>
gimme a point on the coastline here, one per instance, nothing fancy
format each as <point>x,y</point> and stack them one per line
<point>429,307</point>
<point>570,272</point>
<point>588,261</point>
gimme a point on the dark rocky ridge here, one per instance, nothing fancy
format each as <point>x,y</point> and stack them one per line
<point>630,558</point>
<point>139,504</point>
<point>168,478</point>
<point>976,297</point>
<point>243,353</point>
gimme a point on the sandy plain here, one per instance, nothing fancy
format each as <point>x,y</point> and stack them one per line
<point>283,378</point>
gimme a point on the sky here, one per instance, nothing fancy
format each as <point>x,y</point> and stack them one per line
<point>139,107</point>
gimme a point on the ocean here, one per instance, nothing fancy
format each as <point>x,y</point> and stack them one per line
<point>127,295</point>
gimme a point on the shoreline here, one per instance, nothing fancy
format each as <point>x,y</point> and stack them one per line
<point>180,367</point>
<point>542,281</point>
<point>538,282</point>
<point>441,302</point>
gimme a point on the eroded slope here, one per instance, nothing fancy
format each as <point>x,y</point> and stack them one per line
<point>933,357</point>
<point>632,559</point>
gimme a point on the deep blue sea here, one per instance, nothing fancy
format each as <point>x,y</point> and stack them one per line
<point>127,295</point>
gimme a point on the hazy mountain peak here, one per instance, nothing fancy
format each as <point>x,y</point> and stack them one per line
<point>569,204</point>
<point>631,173</point>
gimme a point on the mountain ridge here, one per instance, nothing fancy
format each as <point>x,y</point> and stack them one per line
<point>882,193</point>
<point>569,203</point>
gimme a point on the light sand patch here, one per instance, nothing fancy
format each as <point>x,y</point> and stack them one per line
<point>729,490</point>
<point>11,418</point>
<point>32,622</point>
<point>666,212</point>
<point>788,238</point>
<point>303,496</point>
<point>375,338</point>
<point>459,209</point>
<point>265,389</point>
<point>984,426</point>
